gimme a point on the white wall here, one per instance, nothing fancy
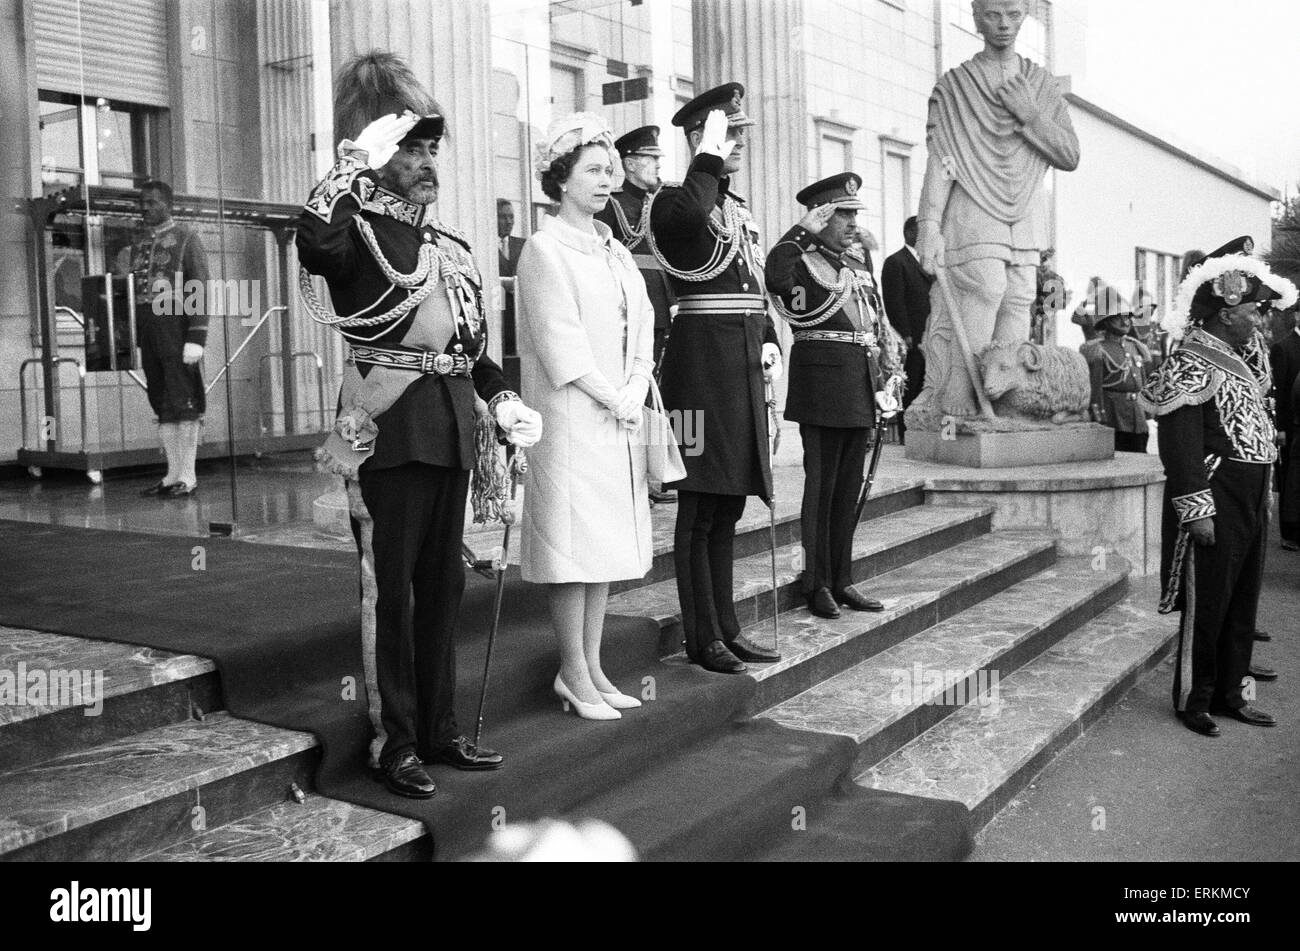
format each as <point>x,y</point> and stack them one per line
<point>1129,193</point>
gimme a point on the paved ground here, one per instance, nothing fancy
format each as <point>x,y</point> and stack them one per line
<point>1168,794</point>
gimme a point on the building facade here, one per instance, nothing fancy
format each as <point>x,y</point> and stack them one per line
<point>229,100</point>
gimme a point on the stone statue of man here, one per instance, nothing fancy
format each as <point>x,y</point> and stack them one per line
<point>996,123</point>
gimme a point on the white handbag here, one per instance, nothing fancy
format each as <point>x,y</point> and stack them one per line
<point>663,457</point>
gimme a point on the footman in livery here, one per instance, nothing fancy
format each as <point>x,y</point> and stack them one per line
<point>722,350</point>
<point>407,298</point>
<point>846,375</point>
<point>1216,439</point>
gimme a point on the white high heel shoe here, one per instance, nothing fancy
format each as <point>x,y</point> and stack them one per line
<point>588,711</point>
<point>619,701</point>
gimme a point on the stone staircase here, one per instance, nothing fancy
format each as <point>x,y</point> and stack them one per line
<point>991,655</point>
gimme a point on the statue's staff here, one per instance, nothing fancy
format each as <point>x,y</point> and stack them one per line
<point>963,342</point>
<point>518,466</point>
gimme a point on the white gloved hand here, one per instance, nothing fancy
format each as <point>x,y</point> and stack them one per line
<point>714,141</point>
<point>522,426</point>
<point>772,363</point>
<point>631,398</point>
<point>379,139</point>
<point>192,353</point>
<point>887,403</point>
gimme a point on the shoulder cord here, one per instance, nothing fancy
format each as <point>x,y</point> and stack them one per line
<point>633,236</point>
<point>840,293</point>
<point>725,246</point>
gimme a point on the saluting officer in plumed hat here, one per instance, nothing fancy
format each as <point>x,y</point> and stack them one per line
<point>722,350</point>
<point>407,297</point>
<point>1217,443</point>
<point>1118,365</point>
<point>845,365</point>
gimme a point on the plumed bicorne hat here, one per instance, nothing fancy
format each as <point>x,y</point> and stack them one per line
<point>377,84</point>
<point>1228,277</point>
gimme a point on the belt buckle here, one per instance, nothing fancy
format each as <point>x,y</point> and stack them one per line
<point>441,363</point>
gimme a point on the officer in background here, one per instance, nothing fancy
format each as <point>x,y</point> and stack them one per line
<point>1118,365</point>
<point>845,363</point>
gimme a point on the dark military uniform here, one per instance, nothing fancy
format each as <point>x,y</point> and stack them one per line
<point>712,381</point>
<point>1118,370</point>
<point>845,351</point>
<point>625,215</point>
<point>161,254</point>
<point>371,245</point>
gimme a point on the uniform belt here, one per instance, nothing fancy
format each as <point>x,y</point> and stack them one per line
<point>721,304</point>
<point>859,338</point>
<point>419,361</point>
<point>647,262</point>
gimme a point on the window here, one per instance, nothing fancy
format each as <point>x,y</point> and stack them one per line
<point>1156,275</point>
<point>895,190</point>
<point>95,142</point>
<point>567,92</point>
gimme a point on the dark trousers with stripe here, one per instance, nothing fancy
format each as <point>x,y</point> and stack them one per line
<point>703,556</point>
<point>833,461</point>
<point>1221,591</point>
<point>419,523</point>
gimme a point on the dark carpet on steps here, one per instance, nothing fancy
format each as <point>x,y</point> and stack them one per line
<point>281,624</point>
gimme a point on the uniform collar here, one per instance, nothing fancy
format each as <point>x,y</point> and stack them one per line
<point>392,205</point>
<point>583,241</point>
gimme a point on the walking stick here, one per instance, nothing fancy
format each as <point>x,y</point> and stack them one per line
<point>518,466</point>
<point>774,443</point>
<point>963,343</point>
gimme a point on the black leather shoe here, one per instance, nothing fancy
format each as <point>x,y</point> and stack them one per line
<point>822,604</point>
<point>717,658</point>
<point>1288,545</point>
<point>158,488</point>
<point>1201,723</point>
<point>752,653</point>
<point>1262,673</point>
<point>180,490</point>
<point>405,776</point>
<point>1263,636</point>
<point>1249,714</point>
<point>663,498</point>
<point>463,754</point>
<point>857,602</point>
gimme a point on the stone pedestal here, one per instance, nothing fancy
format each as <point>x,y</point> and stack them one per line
<point>1080,443</point>
<point>1111,507</point>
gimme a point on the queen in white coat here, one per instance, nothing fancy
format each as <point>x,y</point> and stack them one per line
<point>586,352</point>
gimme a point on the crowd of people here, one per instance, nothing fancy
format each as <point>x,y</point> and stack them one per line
<point>663,295</point>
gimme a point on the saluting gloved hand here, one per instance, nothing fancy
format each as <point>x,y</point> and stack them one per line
<point>772,363</point>
<point>192,353</point>
<point>522,426</point>
<point>714,141</point>
<point>379,139</point>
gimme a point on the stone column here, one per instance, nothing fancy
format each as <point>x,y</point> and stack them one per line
<point>19,179</point>
<point>760,43</point>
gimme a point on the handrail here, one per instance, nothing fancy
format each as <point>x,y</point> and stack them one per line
<point>22,394</point>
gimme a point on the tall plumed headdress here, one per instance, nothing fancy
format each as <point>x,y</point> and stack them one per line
<point>376,84</point>
<point>1227,277</point>
<point>566,133</point>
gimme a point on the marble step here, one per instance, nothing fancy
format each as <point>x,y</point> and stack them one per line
<point>880,545</point>
<point>887,496</point>
<point>317,830</point>
<point>127,689</point>
<point>916,596</point>
<point>983,760</point>
<point>889,699</point>
<point>150,790</point>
